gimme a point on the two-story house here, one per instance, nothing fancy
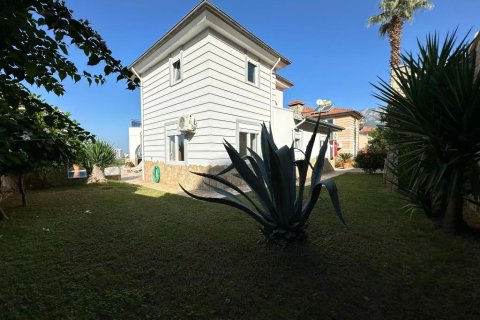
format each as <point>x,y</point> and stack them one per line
<point>210,71</point>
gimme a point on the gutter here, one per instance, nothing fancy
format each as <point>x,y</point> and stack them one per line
<point>271,89</point>
<point>141,120</point>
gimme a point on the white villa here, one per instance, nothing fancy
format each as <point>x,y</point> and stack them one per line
<point>206,80</point>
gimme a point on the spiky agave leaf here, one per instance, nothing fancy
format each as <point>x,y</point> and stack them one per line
<point>282,213</point>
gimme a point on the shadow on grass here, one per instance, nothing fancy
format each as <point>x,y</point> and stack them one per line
<point>121,251</point>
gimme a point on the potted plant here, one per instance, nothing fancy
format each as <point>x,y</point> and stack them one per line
<point>346,159</point>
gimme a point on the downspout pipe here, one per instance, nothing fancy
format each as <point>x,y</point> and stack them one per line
<point>141,120</point>
<point>298,124</point>
<point>271,91</point>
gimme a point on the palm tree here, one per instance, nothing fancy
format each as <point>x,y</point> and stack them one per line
<point>391,19</point>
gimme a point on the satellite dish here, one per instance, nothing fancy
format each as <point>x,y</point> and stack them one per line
<point>323,105</point>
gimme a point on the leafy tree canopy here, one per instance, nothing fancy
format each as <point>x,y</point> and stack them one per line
<point>403,9</point>
<point>35,36</point>
<point>35,39</point>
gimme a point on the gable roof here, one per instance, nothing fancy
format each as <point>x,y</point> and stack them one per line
<point>203,6</point>
<point>340,112</point>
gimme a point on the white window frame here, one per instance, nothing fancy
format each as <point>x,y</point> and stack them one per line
<point>257,71</point>
<point>176,153</point>
<point>172,61</point>
<point>249,134</point>
<point>297,136</point>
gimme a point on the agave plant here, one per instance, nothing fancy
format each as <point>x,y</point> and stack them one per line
<point>275,201</point>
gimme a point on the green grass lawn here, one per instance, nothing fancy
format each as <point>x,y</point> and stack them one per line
<point>122,252</point>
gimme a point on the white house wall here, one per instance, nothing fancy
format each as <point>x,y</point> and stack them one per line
<point>213,89</point>
<point>235,104</point>
<point>164,103</point>
<point>285,128</point>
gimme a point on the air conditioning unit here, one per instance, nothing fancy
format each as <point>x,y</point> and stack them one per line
<point>187,123</point>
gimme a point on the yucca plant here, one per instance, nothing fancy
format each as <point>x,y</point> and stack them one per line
<point>275,201</point>
<point>432,123</point>
<point>96,157</point>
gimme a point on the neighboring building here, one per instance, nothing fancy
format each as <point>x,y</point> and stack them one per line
<point>135,142</point>
<point>350,120</point>
<point>206,80</point>
<point>119,154</point>
<point>365,137</point>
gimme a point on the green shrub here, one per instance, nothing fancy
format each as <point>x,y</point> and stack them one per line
<point>371,160</point>
<point>280,208</point>
<point>432,123</point>
<point>99,153</point>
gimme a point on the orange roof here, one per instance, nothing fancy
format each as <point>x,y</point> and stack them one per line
<point>337,112</point>
<point>306,110</point>
<point>366,130</point>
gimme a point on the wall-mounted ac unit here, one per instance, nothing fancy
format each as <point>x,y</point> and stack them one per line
<point>187,123</point>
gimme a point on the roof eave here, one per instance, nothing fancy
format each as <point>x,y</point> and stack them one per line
<point>321,123</point>
<point>206,5</point>
<point>285,82</point>
<point>353,113</point>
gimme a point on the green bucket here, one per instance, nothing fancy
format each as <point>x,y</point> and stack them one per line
<point>156,174</point>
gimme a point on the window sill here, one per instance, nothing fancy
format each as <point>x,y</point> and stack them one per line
<point>174,83</point>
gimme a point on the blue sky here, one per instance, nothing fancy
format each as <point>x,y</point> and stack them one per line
<point>334,55</point>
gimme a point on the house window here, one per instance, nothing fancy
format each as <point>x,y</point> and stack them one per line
<point>181,148</point>
<point>171,141</point>
<point>329,120</point>
<point>177,72</point>
<point>243,144</point>
<point>297,139</point>
<point>176,147</point>
<point>247,140</point>
<point>251,73</point>
<point>296,143</point>
<point>253,141</point>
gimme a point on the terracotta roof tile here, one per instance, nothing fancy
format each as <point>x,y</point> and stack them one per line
<point>366,130</point>
<point>336,111</point>
<point>341,111</point>
<point>306,110</point>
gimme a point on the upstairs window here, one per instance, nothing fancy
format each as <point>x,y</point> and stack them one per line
<point>251,73</point>
<point>177,71</point>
